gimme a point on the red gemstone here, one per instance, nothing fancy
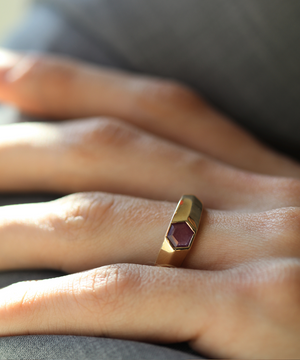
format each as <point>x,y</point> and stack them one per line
<point>180,235</point>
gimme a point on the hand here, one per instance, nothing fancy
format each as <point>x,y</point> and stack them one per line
<point>62,88</point>
<point>250,310</point>
<point>111,155</point>
<point>228,312</point>
<point>67,234</point>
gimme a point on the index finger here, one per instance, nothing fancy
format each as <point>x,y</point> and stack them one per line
<point>38,85</point>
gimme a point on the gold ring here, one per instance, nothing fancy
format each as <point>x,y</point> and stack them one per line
<point>181,232</point>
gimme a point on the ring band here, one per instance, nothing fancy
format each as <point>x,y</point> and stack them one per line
<point>181,232</point>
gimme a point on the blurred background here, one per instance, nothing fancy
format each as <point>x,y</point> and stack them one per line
<point>11,11</point>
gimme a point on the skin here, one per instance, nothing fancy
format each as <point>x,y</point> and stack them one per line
<point>150,140</point>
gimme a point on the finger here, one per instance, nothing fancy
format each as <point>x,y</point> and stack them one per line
<point>209,309</point>
<point>37,85</point>
<point>84,231</point>
<point>108,155</point>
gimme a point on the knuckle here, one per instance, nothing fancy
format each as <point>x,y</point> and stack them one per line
<point>290,191</point>
<point>114,280</point>
<point>92,148</point>
<point>282,294</point>
<point>292,289</point>
<point>56,77</point>
<point>289,222</point>
<point>283,278</point>
<point>198,164</point>
<point>109,285</point>
<point>284,222</point>
<point>276,288</point>
<point>93,134</point>
<point>54,71</point>
<point>48,77</point>
<point>170,92</point>
<point>108,131</point>
<point>291,283</point>
<point>79,215</point>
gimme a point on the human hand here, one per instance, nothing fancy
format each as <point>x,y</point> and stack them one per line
<point>239,238</point>
<point>110,155</point>
<point>62,88</point>
<point>242,309</point>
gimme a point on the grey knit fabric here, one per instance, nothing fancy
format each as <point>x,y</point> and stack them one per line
<point>84,348</point>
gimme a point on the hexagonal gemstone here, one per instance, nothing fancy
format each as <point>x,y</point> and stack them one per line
<point>180,235</point>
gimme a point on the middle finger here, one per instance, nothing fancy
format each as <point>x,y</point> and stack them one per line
<point>108,155</point>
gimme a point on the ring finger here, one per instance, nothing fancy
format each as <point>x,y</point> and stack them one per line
<point>89,230</point>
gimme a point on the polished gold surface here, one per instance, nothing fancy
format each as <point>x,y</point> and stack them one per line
<point>189,210</point>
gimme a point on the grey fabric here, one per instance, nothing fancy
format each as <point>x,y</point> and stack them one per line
<point>242,55</point>
<point>84,348</point>
<point>47,29</point>
<point>11,277</point>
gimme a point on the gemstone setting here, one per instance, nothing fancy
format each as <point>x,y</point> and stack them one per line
<point>180,235</point>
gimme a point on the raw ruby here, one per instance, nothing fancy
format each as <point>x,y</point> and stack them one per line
<point>180,235</point>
